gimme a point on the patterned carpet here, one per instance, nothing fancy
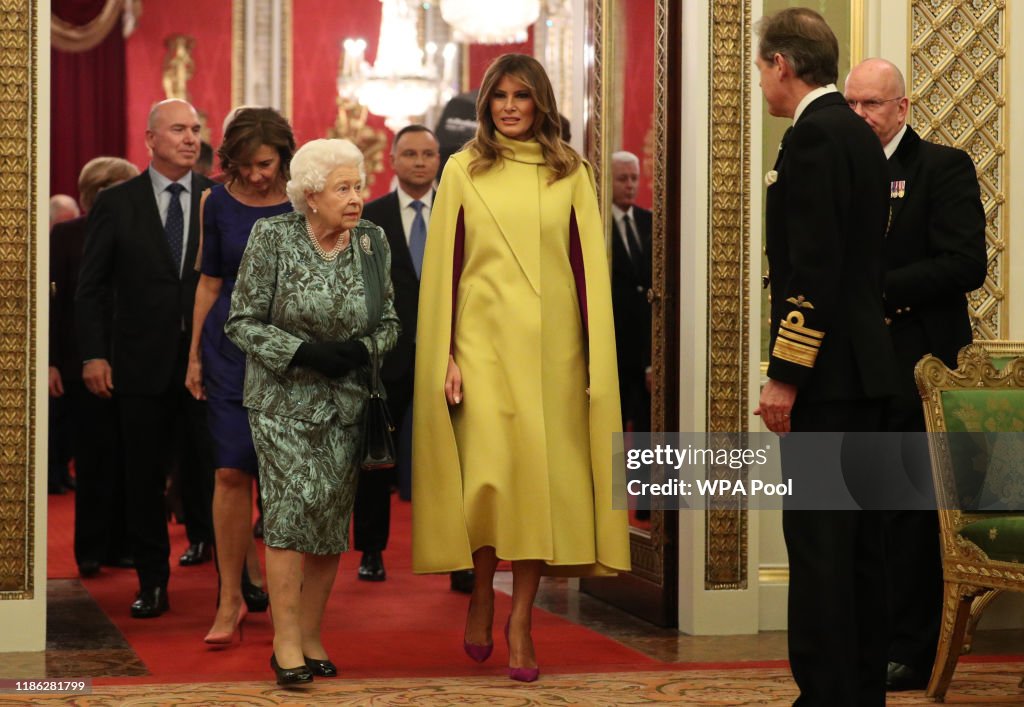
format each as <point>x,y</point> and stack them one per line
<point>978,683</point>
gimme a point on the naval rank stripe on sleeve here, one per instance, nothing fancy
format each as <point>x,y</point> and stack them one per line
<point>797,343</point>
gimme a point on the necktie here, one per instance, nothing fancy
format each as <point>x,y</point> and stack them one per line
<point>174,225</point>
<point>418,237</point>
<point>636,251</point>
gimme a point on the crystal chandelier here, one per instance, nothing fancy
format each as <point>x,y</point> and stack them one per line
<point>404,81</point>
<point>479,22</point>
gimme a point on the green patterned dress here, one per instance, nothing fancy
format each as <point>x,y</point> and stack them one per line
<point>307,427</point>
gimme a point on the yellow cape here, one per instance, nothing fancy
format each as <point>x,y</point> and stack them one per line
<point>524,464</point>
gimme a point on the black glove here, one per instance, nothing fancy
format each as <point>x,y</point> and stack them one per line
<point>329,358</point>
<point>355,352</point>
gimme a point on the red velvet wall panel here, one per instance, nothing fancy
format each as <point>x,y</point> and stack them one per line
<point>481,56</point>
<point>85,122</point>
<point>208,22</point>
<point>638,88</point>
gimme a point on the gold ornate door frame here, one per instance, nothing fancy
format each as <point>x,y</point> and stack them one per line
<point>19,254</point>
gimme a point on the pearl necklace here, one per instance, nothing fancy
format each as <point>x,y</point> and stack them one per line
<point>330,255</point>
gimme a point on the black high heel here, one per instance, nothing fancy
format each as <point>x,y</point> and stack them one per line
<point>322,668</point>
<point>290,677</point>
<point>256,600</point>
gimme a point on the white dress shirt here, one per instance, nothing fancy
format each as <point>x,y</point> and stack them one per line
<point>812,96</point>
<point>163,201</point>
<point>618,214</point>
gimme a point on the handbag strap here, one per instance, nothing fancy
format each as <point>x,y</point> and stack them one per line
<point>374,368</point>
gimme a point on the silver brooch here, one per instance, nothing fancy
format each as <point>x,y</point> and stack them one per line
<point>364,243</point>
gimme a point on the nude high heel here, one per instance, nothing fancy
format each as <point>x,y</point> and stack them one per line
<point>223,639</point>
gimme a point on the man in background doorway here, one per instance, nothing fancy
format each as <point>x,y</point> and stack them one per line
<point>631,278</point>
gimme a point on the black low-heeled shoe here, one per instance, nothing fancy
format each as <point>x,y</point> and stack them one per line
<point>256,600</point>
<point>323,668</point>
<point>290,677</point>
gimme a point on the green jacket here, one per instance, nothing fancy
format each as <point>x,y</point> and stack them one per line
<point>286,294</point>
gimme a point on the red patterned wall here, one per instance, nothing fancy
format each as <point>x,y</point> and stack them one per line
<point>637,39</point>
<point>209,24</point>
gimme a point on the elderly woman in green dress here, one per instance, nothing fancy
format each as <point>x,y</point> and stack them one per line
<point>313,295</point>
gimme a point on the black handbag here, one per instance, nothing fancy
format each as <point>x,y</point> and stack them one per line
<point>378,443</point>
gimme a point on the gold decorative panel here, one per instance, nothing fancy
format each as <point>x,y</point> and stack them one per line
<point>957,81</point>
<point>253,22</point>
<point>728,273</point>
<point>19,82</point>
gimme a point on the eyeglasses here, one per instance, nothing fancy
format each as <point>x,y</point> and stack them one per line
<point>872,104</point>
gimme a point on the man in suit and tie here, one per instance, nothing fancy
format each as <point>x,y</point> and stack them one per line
<point>934,255</point>
<point>831,366</point>
<point>404,214</point>
<point>141,244</point>
<point>631,278</point>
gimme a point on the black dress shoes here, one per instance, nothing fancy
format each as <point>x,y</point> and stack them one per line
<point>88,568</point>
<point>255,598</point>
<point>290,677</point>
<point>197,554</point>
<point>902,677</point>
<point>150,603</point>
<point>321,668</point>
<point>124,561</point>
<point>462,581</point>
<point>371,568</point>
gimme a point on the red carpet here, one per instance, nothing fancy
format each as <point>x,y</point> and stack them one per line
<point>409,626</point>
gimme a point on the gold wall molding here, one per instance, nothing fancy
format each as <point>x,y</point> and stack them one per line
<point>81,38</point>
<point>957,97</point>
<point>728,271</point>
<point>262,48</point>
<point>18,191</point>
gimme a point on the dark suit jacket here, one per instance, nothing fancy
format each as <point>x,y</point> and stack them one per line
<point>631,310</point>
<point>386,213</point>
<point>826,217</point>
<point>127,262</point>
<point>935,248</point>
<point>66,242</point>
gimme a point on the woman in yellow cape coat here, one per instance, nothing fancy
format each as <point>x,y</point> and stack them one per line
<point>523,463</point>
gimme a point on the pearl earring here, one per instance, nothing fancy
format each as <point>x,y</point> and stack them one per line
<point>314,209</point>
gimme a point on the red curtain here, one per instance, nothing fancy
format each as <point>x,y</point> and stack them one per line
<point>87,99</point>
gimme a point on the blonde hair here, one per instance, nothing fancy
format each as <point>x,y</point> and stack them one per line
<point>100,173</point>
<point>561,159</point>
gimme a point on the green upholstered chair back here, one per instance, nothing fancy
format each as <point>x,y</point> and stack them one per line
<point>974,415</point>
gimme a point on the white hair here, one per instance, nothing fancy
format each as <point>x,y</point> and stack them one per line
<point>623,156</point>
<point>314,161</point>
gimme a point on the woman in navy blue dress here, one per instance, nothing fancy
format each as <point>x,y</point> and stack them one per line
<point>257,149</point>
